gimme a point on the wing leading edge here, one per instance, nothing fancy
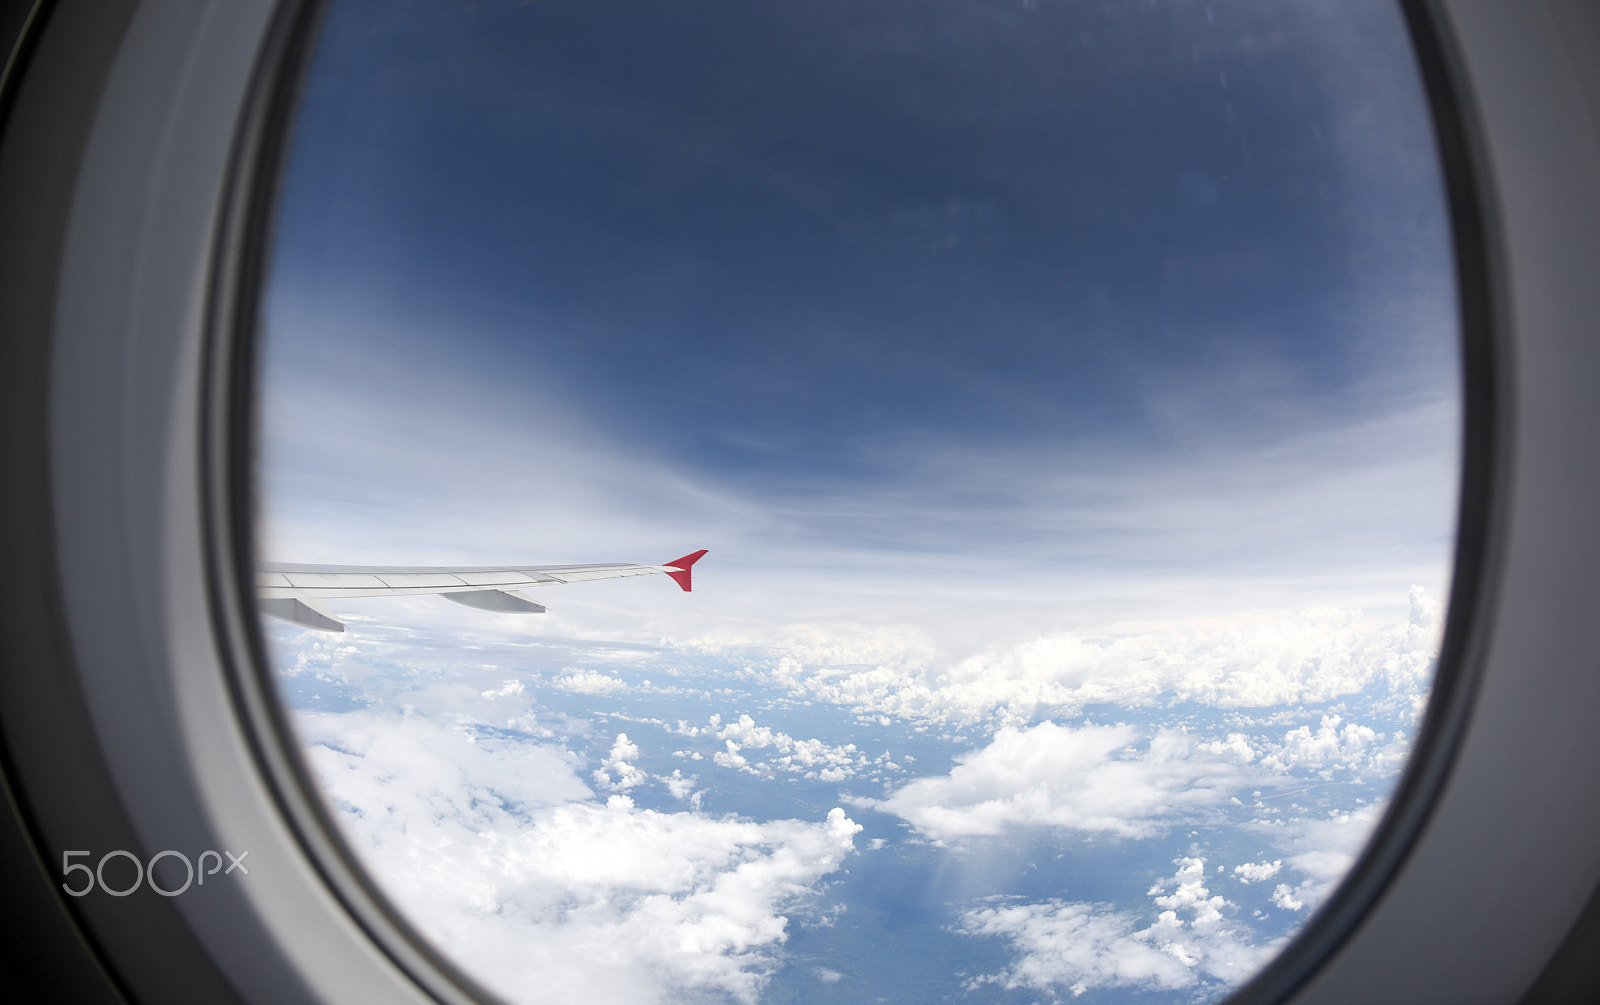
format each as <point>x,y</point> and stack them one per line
<point>296,592</point>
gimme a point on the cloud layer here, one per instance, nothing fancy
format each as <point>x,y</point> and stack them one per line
<point>1257,661</point>
<point>496,852</point>
<point>1093,778</point>
<point>1060,944</point>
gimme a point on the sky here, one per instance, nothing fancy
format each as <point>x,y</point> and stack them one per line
<point>1049,381</point>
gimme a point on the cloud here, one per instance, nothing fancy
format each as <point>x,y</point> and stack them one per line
<point>1329,746</point>
<point>1255,872</point>
<point>445,808</point>
<point>812,758</point>
<point>493,848</point>
<point>506,690</point>
<point>681,787</point>
<point>1059,944</point>
<point>419,771</point>
<point>1320,850</point>
<point>1250,662</point>
<point>590,682</point>
<point>1080,946</point>
<point>1334,746</point>
<point>1324,849</point>
<point>1092,778</point>
<point>368,462</point>
<point>619,764</point>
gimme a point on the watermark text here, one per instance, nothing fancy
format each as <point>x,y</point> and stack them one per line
<point>81,878</point>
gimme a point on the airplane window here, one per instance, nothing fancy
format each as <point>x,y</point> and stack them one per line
<point>1055,408</point>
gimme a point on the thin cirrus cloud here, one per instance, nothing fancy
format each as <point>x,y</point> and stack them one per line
<point>1060,537</point>
<point>974,368</point>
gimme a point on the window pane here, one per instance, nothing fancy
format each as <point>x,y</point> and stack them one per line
<point>1067,396</point>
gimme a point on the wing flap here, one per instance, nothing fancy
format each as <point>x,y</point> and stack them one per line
<point>305,613</point>
<point>501,601</point>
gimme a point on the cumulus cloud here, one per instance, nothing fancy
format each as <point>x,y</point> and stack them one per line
<point>617,771</point>
<point>1134,782</point>
<point>811,758</point>
<point>1255,872</point>
<point>1257,662</point>
<point>1059,944</point>
<point>590,682</point>
<point>1333,746</point>
<point>681,787</point>
<point>493,847</point>
<point>1090,778</point>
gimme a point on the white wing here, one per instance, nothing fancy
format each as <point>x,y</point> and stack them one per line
<point>296,592</point>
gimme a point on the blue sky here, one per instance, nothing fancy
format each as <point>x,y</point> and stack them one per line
<point>767,239</point>
<point>1040,375</point>
<point>1160,287</point>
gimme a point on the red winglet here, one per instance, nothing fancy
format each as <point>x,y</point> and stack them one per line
<point>679,568</point>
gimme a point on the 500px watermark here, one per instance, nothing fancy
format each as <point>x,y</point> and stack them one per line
<point>195,873</point>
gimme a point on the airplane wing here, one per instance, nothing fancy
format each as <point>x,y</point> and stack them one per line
<point>296,592</point>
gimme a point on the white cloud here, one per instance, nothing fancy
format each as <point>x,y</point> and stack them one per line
<point>1091,778</point>
<point>1080,946</point>
<point>1255,661</point>
<point>1059,944</point>
<point>495,851</point>
<point>1236,748</point>
<point>813,758</point>
<point>1321,851</point>
<point>1255,872</point>
<point>1325,848</point>
<point>420,771</point>
<point>1191,893</point>
<point>509,688</point>
<point>1329,744</point>
<point>731,758</point>
<point>590,682</point>
<point>408,464</point>
<point>614,903</point>
<point>681,787</point>
<point>619,764</point>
